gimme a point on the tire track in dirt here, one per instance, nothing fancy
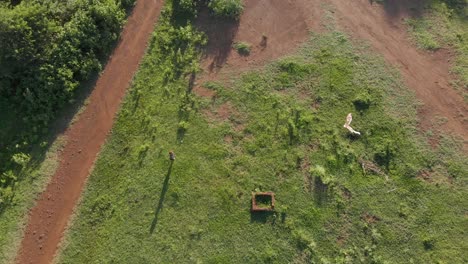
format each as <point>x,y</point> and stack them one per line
<point>49,217</point>
<point>427,74</point>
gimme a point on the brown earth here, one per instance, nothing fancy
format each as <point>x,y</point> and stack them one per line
<point>273,28</point>
<point>49,217</point>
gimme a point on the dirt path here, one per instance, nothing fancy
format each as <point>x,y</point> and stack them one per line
<point>424,72</point>
<point>49,218</point>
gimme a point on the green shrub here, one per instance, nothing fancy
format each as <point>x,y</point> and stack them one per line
<point>428,243</point>
<point>242,48</point>
<point>320,174</point>
<point>185,7</point>
<point>362,101</point>
<point>227,8</point>
<point>459,5</point>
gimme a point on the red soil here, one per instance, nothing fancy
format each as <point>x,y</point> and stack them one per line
<point>49,217</point>
<point>427,74</point>
<point>285,24</point>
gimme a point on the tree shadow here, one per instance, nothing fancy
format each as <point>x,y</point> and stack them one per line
<point>263,217</point>
<point>161,198</point>
<point>220,33</point>
<point>398,8</point>
<point>264,42</point>
<point>320,191</point>
<point>185,108</point>
<point>142,155</point>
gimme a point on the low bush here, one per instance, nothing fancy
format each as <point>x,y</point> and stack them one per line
<point>185,8</point>
<point>227,8</point>
<point>242,48</point>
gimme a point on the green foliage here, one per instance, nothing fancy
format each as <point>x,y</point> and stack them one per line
<point>45,57</point>
<point>320,173</point>
<point>424,39</point>
<point>459,5</point>
<point>185,7</point>
<point>21,159</point>
<point>227,8</point>
<point>48,49</point>
<point>243,48</point>
<point>428,243</point>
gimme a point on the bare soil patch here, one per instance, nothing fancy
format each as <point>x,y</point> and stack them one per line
<point>369,218</point>
<point>222,113</point>
<point>272,28</point>
<point>49,217</point>
<point>204,92</point>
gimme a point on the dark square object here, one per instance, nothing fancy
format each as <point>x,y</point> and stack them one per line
<point>263,201</point>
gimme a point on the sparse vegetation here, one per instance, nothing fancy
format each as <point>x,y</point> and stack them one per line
<point>332,209</point>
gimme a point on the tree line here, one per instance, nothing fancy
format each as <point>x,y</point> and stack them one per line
<point>48,48</point>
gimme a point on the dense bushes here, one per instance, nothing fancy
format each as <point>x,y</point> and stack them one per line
<point>221,8</point>
<point>227,8</point>
<point>457,4</point>
<point>48,48</point>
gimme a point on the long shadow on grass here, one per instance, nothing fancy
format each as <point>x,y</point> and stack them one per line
<point>220,33</point>
<point>161,198</point>
<point>262,217</point>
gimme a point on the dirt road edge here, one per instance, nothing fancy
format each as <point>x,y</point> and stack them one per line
<point>49,217</point>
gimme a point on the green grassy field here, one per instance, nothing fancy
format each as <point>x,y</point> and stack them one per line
<point>339,198</point>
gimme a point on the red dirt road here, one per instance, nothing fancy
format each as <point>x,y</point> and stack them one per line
<point>49,218</point>
<point>427,74</point>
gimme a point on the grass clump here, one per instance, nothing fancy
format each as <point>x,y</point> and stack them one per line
<point>227,8</point>
<point>243,48</point>
<point>331,208</point>
<point>419,30</point>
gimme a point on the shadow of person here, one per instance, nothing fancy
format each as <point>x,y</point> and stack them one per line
<point>161,198</point>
